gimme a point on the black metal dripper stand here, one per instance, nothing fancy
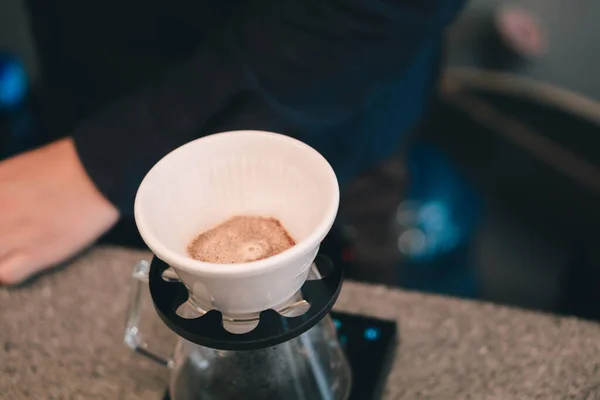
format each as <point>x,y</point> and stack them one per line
<point>272,329</point>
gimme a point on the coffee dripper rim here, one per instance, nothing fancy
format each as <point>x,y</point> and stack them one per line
<point>202,268</point>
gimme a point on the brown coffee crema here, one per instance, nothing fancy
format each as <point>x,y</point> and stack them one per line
<point>241,239</point>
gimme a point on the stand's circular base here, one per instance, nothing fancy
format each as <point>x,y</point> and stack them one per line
<point>272,329</point>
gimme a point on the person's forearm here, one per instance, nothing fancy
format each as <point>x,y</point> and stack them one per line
<point>274,64</point>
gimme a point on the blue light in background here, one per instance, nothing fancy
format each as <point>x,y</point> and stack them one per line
<point>337,323</point>
<point>13,82</point>
<point>372,334</point>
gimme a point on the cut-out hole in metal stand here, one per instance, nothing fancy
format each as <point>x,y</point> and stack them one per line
<point>187,311</point>
<point>169,275</point>
<point>240,327</point>
<point>273,328</point>
<point>296,309</point>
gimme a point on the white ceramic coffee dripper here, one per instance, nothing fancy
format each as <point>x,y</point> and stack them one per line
<point>211,179</point>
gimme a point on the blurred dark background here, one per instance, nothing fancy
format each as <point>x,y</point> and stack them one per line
<point>494,196</point>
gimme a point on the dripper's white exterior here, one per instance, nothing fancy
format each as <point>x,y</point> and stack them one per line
<point>211,179</point>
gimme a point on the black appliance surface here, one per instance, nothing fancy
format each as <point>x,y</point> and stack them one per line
<point>370,345</point>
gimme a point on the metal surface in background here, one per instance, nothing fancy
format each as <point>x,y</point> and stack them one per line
<point>572,60</point>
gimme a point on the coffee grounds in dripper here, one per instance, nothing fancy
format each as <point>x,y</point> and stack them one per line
<point>241,239</point>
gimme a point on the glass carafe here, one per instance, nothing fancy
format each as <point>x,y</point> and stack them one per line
<point>311,366</point>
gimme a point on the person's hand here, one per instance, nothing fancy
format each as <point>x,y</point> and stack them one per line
<point>49,210</point>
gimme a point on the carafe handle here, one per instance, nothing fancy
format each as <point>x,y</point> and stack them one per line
<point>132,337</point>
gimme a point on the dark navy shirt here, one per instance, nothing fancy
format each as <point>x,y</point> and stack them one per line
<point>131,80</point>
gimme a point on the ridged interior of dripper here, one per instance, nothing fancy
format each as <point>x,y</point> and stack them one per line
<point>195,188</point>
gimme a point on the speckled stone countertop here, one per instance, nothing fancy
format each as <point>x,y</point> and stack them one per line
<point>61,338</point>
